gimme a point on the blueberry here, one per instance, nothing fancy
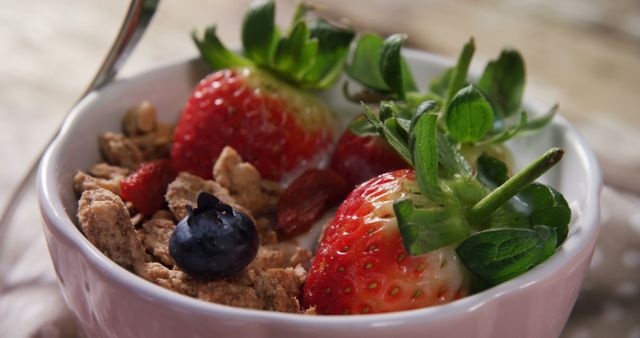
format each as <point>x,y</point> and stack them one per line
<point>214,240</point>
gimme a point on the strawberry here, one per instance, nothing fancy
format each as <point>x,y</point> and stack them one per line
<point>307,198</point>
<point>361,157</point>
<point>259,103</point>
<point>146,187</point>
<point>361,265</point>
<point>415,238</point>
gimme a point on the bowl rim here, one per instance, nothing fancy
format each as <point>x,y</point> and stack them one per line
<point>57,222</point>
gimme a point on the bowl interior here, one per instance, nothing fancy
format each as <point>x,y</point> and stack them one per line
<point>577,176</point>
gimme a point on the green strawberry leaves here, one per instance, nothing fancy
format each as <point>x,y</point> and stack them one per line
<point>213,52</point>
<point>547,206</point>
<point>458,77</point>
<point>491,171</point>
<point>537,203</point>
<point>333,47</point>
<point>395,71</point>
<point>538,123</point>
<point>360,126</point>
<point>469,115</point>
<point>311,55</point>
<point>389,128</point>
<point>503,82</point>
<point>422,145</point>
<point>364,67</point>
<point>378,65</point>
<point>450,160</point>
<point>498,255</point>
<point>259,32</point>
<point>425,230</point>
<point>482,210</point>
<point>497,236</point>
<point>295,54</point>
<point>390,64</point>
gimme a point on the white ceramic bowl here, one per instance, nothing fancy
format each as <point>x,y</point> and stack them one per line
<point>109,301</point>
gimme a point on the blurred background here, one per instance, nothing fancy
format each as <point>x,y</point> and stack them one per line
<point>584,54</point>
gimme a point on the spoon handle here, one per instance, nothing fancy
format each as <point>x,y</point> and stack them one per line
<point>135,23</point>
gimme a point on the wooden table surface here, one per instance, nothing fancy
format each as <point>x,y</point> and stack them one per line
<point>583,54</point>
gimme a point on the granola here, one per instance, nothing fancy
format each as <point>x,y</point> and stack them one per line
<point>244,183</point>
<point>120,150</point>
<point>140,243</point>
<point>154,235</point>
<point>182,193</point>
<point>106,223</point>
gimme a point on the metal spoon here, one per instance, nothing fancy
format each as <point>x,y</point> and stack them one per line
<point>135,23</point>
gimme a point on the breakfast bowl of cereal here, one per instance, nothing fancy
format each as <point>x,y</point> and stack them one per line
<point>309,187</point>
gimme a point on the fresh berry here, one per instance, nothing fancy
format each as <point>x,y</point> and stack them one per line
<point>359,158</point>
<point>214,240</point>
<point>272,125</point>
<point>361,265</point>
<point>307,198</point>
<point>415,238</point>
<point>146,188</point>
<point>259,103</point>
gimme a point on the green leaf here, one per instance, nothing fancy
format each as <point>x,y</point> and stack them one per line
<point>397,138</point>
<point>333,48</point>
<point>508,133</point>
<point>425,230</point>
<point>365,65</point>
<point>414,99</point>
<point>469,116</point>
<point>259,33</point>
<point>491,171</point>
<point>452,163</point>
<point>425,107</point>
<point>295,53</point>
<point>388,109</point>
<point>482,210</point>
<point>498,255</point>
<point>459,74</point>
<point>360,126</point>
<point>503,83</point>
<point>373,119</point>
<point>378,65</point>
<point>546,206</point>
<point>405,124</point>
<point>391,63</point>
<point>550,238</point>
<point>440,85</point>
<point>423,148</point>
<point>537,204</point>
<point>214,53</point>
<point>539,122</point>
<point>389,128</point>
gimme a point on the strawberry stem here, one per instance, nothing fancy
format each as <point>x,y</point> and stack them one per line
<point>481,210</point>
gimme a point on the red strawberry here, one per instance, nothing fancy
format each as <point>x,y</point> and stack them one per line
<point>307,198</point>
<point>359,158</point>
<point>147,186</point>
<point>362,266</point>
<point>272,130</point>
<point>257,103</point>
